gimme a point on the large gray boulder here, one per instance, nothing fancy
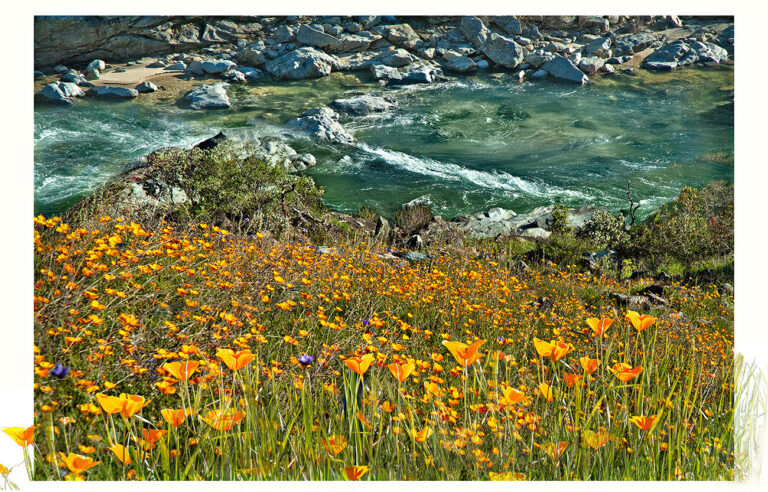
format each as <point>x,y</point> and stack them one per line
<point>474,30</point>
<point>59,93</point>
<point>217,66</point>
<point>112,92</point>
<point>96,65</point>
<point>562,68</point>
<point>314,37</point>
<point>503,51</point>
<point>383,72</point>
<point>459,63</point>
<point>599,47</point>
<point>629,44</point>
<point>509,24</point>
<point>362,105</point>
<point>320,123</point>
<point>667,57</point>
<point>285,34</point>
<point>397,58</point>
<point>209,96</point>
<point>302,63</point>
<point>401,35</point>
<point>146,86</point>
<point>591,64</point>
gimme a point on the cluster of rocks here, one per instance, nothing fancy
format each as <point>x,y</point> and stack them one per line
<point>400,51</point>
<point>71,83</point>
<point>534,224</point>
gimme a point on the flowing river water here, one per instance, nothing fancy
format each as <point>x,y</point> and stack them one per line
<point>462,146</point>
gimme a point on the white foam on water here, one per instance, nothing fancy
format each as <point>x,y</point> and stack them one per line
<point>496,180</point>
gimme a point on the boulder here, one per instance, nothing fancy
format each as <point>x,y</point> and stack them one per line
<point>146,86</point>
<point>512,26</point>
<point>60,69</point>
<point>667,57</point>
<point>234,77</point>
<point>362,105</point>
<point>503,51</point>
<point>251,56</point>
<point>178,66</point>
<point>209,96</point>
<point>562,68</point>
<point>629,44</point>
<point>538,58</point>
<point>314,37</point>
<point>599,47</point>
<point>96,65</point>
<point>301,63</point>
<point>474,30</point>
<point>284,34</point>
<point>59,93</point>
<point>39,74</point>
<point>599,24</point>
<point>401,35</point>
<point>322,124</point>
<point>383,72</point>
<point>112,92</point>
<point>459,63</point>
<point>397,58</point>
<point>591,64</point>
<point>217,66</point>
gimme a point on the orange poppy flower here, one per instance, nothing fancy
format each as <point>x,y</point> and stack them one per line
<point>546,391</point>
<point>181,370</point>
<point>235,360</point>
<point>599,326</point>
<point>464,354</point>
<point>335,444</point>
<point>175,417</point>
<point>222,421</point>
<point>640,321</point>
<point>132,404</point>
<point>433,388</point>
<point>110,404</point>
<point>360,365</point>
<point>625,372</point>
<point>571,379</point>
<point>511,396</point>
<point>387,406</point>
<point>149,438</point>
<point>401,370</point>
<point>595,440</point>
<point>78,463</point>
<point>553,450</point>
<point>23,437</point>
<point>555,350</point>
<point>355,472</point>
<point>121,453</point>
<point>589,365</point>
<point>644,423</point>
<point>421,435</point>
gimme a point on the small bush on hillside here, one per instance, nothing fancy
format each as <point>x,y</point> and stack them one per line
<point>411,218</point>
<point>366,213</point>
<point>606,231</point>
<point>697,225</point>
<point>226,188</point>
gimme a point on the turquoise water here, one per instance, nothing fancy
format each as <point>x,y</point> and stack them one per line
<point>461,146</point>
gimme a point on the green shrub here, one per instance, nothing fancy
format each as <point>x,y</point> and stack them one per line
<point>366,213</point>
<point>606,232</point>
<point>242,192</point>
<point>697,225</point>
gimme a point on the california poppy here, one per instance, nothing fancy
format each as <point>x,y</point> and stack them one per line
<point>22,436</point>
<point>335,444</point>
<point>640,321</point>
<point>422,435</point>
<point>355,472</point>
<point>511,396</point>
<point>464,354</point>
<point>599,326</point>
<point>360,365</point>
<point>643,423</point>
<point>235,360</point>
<point>222,421</point>
<point>121,453</point>
<point>181,370</point>
<point>625,372</point>
<point>571,379</point>
<point>175,417</point>
<point>589,365</point>
<point>555,350</point>
<point>78,463</point>
<point>546,391</point>
<point>401,370</point>
<point>553,450</point>
<point>595,440</point>
<point>132,404</point>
